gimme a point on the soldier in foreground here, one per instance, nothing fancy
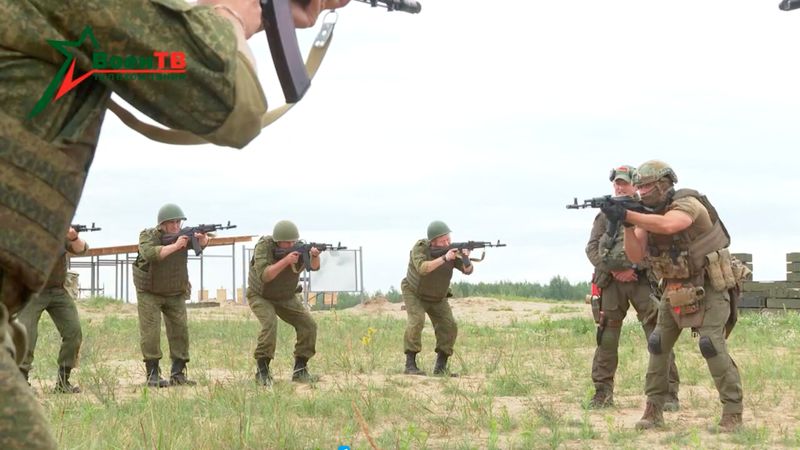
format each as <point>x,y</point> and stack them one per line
<point>686,246</point>
<point>161,277</point>
<point>46,156</point>
<point>60,305</point>
<point>272,293</point>
<point>426,289</point>
<point>622,284</point>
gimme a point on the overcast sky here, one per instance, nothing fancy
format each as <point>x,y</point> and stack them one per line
<point>492,116</point>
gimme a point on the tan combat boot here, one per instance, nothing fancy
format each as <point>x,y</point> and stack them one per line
<point>653,417</point>
<point>729,423</point>
<point>603,398</point>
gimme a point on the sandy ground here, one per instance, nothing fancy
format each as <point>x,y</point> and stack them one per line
<point>437,392</point>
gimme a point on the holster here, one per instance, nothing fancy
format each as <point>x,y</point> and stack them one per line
<point>685,304</point>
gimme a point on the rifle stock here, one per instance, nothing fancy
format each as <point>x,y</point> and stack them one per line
<point>276,17</point>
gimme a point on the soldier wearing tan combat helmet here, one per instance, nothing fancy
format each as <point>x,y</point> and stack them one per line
<point>686,247</point>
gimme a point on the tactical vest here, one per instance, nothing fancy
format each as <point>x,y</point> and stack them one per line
<point>614,257</point>
<point>167,277</point>
<point>435,285</point>
<point>283,286</point>
<point>678,257</point>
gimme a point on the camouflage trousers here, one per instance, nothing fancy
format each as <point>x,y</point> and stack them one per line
<point>444,325</point>
<point>150,307</point>
<point>62,310</point>
<point>615,301</point>
<point>712,346</point>
<point>290,311</point>
<point>22,420</point>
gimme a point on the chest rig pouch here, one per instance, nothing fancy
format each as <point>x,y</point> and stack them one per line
<point>685,304</point>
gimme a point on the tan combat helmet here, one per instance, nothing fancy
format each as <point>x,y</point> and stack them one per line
<point>652,171</point>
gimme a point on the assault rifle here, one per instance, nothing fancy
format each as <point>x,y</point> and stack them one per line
<point>629,203</point>
<point>305,251</point>
<point>437,252</point>
<point>276,16</point>
<point>170,238</point>
<point>82,228</point>
<point>788,5</point>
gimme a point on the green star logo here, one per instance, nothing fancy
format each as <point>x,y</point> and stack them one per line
<point>63,82</point>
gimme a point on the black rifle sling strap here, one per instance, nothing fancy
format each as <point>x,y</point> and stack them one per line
<point>181,137</point>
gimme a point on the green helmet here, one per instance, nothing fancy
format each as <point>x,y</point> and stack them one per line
<point>437,228</point>
<point>654,170</point>
<point>285,230</point>
<point>170,211</point>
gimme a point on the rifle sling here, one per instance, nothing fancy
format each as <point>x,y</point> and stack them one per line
<point>182,137</point>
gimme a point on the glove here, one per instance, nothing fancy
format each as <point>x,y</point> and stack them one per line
<point>614,212</point>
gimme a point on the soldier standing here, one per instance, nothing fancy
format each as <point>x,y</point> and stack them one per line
<point>686,246</point>
<point>272,293</point>
<point>60,305</point>
<point>622,284</point>
<point>426,289</point>
<point>161,277</point>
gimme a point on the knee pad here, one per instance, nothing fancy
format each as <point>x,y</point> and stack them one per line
<point>707,347</point>
<point>654,343</point>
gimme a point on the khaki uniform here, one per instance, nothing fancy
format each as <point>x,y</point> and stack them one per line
<point>428,294</point>
<point>607,254</point>
<point>680,260</point>
<point>162,287</point>
<point>60,305</point>
<point>278,298</point>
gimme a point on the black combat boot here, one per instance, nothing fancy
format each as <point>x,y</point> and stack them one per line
<point>63,385</point>
<point>154,374</point>
<point>411,364</point>
<point>440,368</point>
<point>300,373</point>
<point>263,376</point>
<point>177,376</point>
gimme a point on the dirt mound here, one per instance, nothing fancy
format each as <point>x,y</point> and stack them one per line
<point>482,310</point>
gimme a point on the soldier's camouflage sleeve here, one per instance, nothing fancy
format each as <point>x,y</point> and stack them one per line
<point>593,246</point>
<point>149,245</point>
<point>261,258</point>
<point>419,256</point>
<point>68,248</point>
<point>201,102</point>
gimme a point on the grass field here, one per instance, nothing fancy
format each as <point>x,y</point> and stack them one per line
<point>524,384</point>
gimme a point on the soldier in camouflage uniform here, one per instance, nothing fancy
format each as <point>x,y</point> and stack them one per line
<point>622,284</point>
<point>44,159</point>
<point>686,246</point>
<point>162,286</point>
<point>60,305</point>
<point>426,289</point>
<point>272,293</point>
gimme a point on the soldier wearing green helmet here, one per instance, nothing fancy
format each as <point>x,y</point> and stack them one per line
<point>272,293</point>
<point>686,246</point>
<point>161,277</point>
<point>426,289</point>
<point>622,284</point>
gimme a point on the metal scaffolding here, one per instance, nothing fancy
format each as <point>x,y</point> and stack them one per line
<point>122,257</point>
